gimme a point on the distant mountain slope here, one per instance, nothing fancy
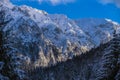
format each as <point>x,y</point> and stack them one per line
<point>100,30</point>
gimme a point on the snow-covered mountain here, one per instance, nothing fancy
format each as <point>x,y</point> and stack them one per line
<point>99,30</point>
<point>41,39</point>
<point>44,39</point>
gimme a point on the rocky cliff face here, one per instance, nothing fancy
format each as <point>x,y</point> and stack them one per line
<point>83,67</point>
<point>101,63</point>
<point>43,39</point>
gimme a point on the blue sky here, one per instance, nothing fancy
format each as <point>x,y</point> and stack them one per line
<point>76,9</point>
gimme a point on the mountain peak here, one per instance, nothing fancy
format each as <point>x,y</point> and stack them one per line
<point>109,20</point>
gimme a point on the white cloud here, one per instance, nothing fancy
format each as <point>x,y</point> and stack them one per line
<point>57,2</point>
<point>116,2</point>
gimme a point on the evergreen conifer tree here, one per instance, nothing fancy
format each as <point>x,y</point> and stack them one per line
<point>109,60</point>
<point>10,59</point>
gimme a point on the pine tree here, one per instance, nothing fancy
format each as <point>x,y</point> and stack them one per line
<point>2,76</point>
<point>117,77</point>
<point>109,65</point>
<point>9,57</point>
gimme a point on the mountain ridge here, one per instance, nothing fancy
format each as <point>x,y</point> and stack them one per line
<point>55,30</point>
